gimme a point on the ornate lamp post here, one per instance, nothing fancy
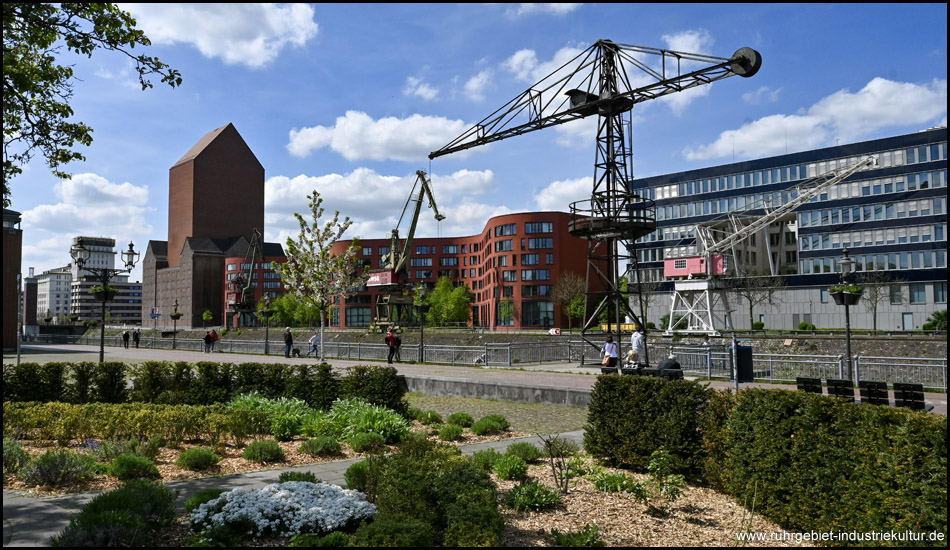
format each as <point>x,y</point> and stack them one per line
<point>266,313</point>
<point>81,255</point>
<point>848,299</point>
<point>175,317</point>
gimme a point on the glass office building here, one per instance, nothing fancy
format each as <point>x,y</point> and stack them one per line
<point>891,218</point>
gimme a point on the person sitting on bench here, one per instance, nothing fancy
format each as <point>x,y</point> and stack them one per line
<point>669,363</point>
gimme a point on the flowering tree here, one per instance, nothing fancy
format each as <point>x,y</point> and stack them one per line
<point>312,273</point>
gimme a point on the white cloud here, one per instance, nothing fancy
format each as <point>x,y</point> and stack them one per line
<point>552,9</point>
<point>844,115</point>
<point>374,202</point>
<point>475,87</point>
<point>763,95</point>
<point>357,136</point>
<point>559,195</point>
<point>87,203</point>
<point>416,87</point>
<point>239,34</point>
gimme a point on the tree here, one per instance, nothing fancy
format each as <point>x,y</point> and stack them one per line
<point>936,321</point>
<point>206,317</point>
<point>37,90</point>
<point>448,303</point>
<point>756,291</point>
<point>569,292</point>
<point>312,272</point>
<point>878,287</point>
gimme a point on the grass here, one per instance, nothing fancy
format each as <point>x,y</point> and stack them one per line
<point>524,417</point>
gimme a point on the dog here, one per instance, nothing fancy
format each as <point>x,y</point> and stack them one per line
<point>295,352</point>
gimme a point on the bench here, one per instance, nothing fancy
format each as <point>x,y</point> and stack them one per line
<point>874,393</point>
<point>911,396</point>
<point>843,389</point>
<point>808,385</point>
<point>609,370</point>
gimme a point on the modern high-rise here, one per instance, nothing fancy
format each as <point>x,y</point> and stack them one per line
<point>891,218</point>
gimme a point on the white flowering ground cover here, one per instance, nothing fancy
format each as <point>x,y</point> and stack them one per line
<point>285,509</point>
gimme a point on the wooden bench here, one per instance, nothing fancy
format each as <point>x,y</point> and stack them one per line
<point>910,395</point>
<point>874,393</point>
<point>808,385</point>
<point>843,389</point>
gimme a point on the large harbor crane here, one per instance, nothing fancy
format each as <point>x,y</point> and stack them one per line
<point>606,80</point>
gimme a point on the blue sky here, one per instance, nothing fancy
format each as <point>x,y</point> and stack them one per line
<point>350,99</point>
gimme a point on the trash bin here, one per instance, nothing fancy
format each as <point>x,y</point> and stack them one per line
<point>743,358</point>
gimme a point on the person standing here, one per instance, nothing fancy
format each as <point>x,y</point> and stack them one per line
<point>391,342</point>
<point>136,337</point>
<point>125,339</point>
<point>398,346</point>
<point>638,343</point>
<point>207,342</point>
<point>288,342</point>
<point>214,339</point>
<point>610,352</point>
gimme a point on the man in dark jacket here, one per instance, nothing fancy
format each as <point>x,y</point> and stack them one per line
<point>288,342</point>
<point>669,363</point>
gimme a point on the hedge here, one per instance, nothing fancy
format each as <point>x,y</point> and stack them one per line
<point>811,463</point>
<point>203,383</point>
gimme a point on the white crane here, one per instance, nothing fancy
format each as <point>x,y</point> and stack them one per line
<point>691,307</point>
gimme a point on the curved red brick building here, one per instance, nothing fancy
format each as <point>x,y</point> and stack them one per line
<point>511,268</point>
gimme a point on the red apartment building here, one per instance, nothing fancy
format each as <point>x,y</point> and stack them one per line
<point>511,268</point>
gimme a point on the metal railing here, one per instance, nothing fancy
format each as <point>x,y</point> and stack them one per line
<point>713,362</point>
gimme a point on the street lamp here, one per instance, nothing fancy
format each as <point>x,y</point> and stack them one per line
<point>175,316</point>
<point>846,264</point>
<point>81,255</point>
<point>423,309</point>
<point>266,313</point>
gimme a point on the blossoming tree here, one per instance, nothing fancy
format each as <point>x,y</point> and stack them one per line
<point>312,272</point>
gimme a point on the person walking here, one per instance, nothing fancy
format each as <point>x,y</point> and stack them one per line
<point>136,337</point>
<point>288,342</point>
<point>610,352</point>
<point>391,342</point>
<point>125,339</point>
<point>214,339</point>
<point>314,344</point>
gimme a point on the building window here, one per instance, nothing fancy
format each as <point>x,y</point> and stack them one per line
<point>503,246</point>
<point>535,274</point>
<point>530,259</point>
<point>539,227</point>
<point>450,249</point>
<point>505,313</point>
<point>940,293</point>
<point>422,249</point>
<point>896,294</point>
<point>918,293</point>
<point>367,251</point>
<point>424,274</point>
<point>507,229</point>
<point>509,276</point>
<point>540,243</point>
<point>535,313</point>
<point>420,262</point>
<point>448,261</point>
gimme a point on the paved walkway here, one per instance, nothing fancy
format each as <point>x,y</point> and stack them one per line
<point>31,521</point>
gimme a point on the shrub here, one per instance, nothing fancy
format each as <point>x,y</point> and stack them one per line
<point>321,446</point>
<point>485,459</point>
<point>758,325</point>
<point>413,413</point>
<point>532,496</point>
<point>510,468</point>
<point>199,498</point>
<point>58,467</point>
<point>152,381</point>
<point>618,483</point>
<point>806,326</point>
<point>588,537</point>
<point>129,466</point>
<point>307,477</point>
<point>104,529</point>
<point>429,417</point>
<point>357,475</point>
<point>377,385</point>
<point>390,532</point>
<point>497,420</point>
<point>335,539</point>
<point>526,451</point>
<point>14,456</point>
<point>109,449</point>
<point>149,500</point>
<point>617,432</point>
<point>110,383</point>
<point>464,420</point>
<point>450,432</point>
<point>264,451</point>
<point>285,509</point>
<point>366,442</point>
<point>198,458</point>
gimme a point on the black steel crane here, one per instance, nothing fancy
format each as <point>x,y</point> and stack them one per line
<point>243,312</point>
<point>392,307</point>
<point>606,79</point>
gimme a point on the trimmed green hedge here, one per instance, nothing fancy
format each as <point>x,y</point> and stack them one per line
<point>809,462</point>
<point>203,383</point>
<point>629,417</point>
